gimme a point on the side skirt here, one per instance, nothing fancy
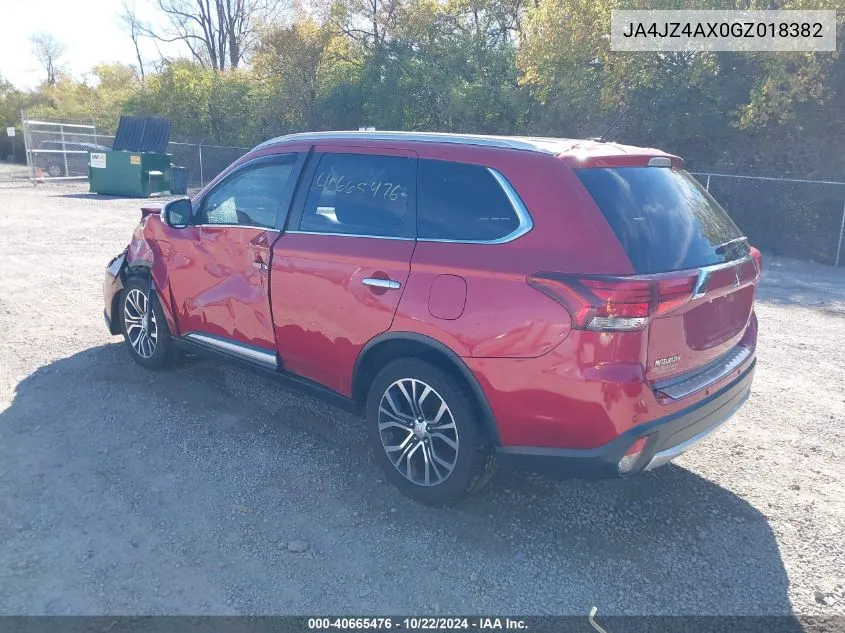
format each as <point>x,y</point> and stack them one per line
<point>291,381</point>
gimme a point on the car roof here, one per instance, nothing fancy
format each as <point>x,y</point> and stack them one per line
<point>545,145</point>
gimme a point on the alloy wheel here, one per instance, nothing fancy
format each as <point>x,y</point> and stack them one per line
<point>418,432</point>
<point>140,324</point>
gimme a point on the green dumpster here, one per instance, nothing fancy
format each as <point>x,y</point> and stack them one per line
<point>137,164</point>
<point>132,174</point>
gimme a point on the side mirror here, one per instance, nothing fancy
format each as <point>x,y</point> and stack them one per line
<point>178,213</point>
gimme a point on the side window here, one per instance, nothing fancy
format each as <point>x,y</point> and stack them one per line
<point>359,194</point>
<point>250,197</point>
<point>465,202</point>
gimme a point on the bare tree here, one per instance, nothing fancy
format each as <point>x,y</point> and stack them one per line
<point>48,50</point>
<point>219,33</point>
<point>131,21</point>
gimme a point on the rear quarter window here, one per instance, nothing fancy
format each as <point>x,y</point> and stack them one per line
<point>663,218</point>
<point>462,202</point>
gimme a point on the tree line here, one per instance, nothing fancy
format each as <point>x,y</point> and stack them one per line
<point>535,67</point>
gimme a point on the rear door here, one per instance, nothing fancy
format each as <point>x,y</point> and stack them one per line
<point>219,265</point>
<point>340,268</point>
<point>667,222</point>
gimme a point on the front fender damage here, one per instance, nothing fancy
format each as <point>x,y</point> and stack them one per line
<point>143,257</point>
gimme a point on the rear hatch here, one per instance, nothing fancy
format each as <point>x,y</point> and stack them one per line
<point>674,232</point>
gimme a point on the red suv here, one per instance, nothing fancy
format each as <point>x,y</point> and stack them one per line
<point>576,307</point>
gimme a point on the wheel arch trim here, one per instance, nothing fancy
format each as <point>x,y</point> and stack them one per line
<point>454,360</point>
<point>144,267</point>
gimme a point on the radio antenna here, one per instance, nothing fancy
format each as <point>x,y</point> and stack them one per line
<point>624,111</point>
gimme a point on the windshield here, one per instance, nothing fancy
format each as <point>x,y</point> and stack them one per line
<point>664,219</point>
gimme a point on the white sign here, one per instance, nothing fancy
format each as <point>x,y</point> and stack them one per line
<point>711,30</point>
<point>10,131</point>
<point>98,160</point>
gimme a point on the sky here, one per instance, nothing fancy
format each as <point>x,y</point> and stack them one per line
<point>90,30</point>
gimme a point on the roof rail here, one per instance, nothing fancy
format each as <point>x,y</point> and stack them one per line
<point>542,145</point>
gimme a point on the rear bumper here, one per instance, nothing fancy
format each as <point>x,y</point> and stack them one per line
<point>668,437</point>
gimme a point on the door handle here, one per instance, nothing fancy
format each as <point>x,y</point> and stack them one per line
<point>388,284</point>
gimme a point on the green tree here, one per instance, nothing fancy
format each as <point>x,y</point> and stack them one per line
<point>487,66</point>
<point>298,66</point>
<point>12,101</point>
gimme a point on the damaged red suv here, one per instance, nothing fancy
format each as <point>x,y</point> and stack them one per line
<point>577,307</point>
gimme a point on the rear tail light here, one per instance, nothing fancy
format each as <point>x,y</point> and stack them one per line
<point>758,260</point>
<point>632,456</point>
<point>608,303</point>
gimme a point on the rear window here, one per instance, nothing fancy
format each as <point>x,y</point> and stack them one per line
<point>664,219</point>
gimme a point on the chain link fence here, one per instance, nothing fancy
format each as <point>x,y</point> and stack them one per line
<point>803,219</point>
<point>59,151</point>
<point>203,162</point>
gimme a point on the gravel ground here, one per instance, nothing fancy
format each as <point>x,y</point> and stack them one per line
<point>13,172</point>
<point>125,491</point>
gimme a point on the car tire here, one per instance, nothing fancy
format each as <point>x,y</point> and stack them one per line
<point>147,336</point>
<point>438,452</point>
<point>54,170</point>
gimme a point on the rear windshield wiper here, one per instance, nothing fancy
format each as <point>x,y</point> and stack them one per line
<point>721,248</point>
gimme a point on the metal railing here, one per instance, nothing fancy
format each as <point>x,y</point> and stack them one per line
<point>59,151</point>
